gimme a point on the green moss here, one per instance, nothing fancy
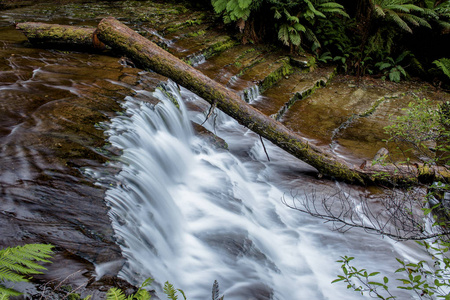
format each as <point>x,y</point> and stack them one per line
<point>220,47</point>
<point>197,33</point>
<point>283,70</point>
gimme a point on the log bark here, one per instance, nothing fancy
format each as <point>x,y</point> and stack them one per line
<point>149,55</point>
<point>54,35</point>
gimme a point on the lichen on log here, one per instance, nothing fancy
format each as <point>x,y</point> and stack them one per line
<point>60,35</point>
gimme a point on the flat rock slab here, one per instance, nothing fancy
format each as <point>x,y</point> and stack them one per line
<point>269,70</point>
<point>349,117</point>
<point>287,91</point>
<point>366,135</point>
<point>225,68</point>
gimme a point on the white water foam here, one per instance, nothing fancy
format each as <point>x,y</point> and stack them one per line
<point>189,214</point>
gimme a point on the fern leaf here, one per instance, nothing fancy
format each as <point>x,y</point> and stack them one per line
<point>394,75</point>
<point>219,5</point>
<point>314,10</point>
<point>182,293</point>
<point>444,65</point>
<point>277,14</point>
<point>299,27</point>
<point>147,282</point>
<point>283,34</point>
<point>6,292</point>
<point>115,294</point>
<point>9,275</point>
<point>379,11</point>
<point>295,38</point>
<point>140,295</point>
<point>334,8</point>
<point>170,291</point>
<point>215,290</point>
<point>4,296</point>
<point>399,21</point>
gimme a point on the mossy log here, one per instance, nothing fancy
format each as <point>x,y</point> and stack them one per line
<point>54,35</point>
<point>148,55</point>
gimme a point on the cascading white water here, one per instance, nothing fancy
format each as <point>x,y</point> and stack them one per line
<point>251,94</point>
<point>190,214</point>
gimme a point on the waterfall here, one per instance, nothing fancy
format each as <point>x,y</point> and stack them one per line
<point>251,94</point>
<point>190,214</point>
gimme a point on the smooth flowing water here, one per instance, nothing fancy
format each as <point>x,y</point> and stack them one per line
<point>188,213</point>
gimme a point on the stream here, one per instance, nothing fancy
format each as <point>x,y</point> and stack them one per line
<point>159,200</point>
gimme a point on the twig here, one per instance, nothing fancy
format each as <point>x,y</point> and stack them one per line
<point>264,147</point>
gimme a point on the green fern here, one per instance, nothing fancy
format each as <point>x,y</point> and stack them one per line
<point>444,65</point>
<point>216,292</point>
<point>141,294</point>
<point>115,294</point>
<point>17,262</point>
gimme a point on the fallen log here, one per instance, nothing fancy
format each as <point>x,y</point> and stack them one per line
<point>54,35</point>
<point>148,55</point>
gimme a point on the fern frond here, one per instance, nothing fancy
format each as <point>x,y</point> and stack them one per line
<point>215,290</point>
<point>399,21</point>
<point>314,10</point>
<point>219,5</point>
<point>4,297</point>
<point>21,260</point>
<point>182,293</point>
<point>140,295</point>
<point>417,21</point>
<point>283,34</point>
<point>379,11</point>
<point>115,294</point>
<point>147,282</point>
<point>170,291</point>
<point>5,293</point>
<point>444,65</point>
<point>310,36</point>
<point>295,38</point>
<point>9,275</point>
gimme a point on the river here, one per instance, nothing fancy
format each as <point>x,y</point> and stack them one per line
<point>177,207</point>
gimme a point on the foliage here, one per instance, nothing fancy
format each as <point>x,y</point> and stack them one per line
<point>423,126</point>
<point>171,292</point>
<point>369,41</point>
<point>18,262</point>
<point>427,281</point>
<point>292,19</point>
<point>443,64</point>
<point>141,294</point>
<point>392,68</point>
<point>234,10</point>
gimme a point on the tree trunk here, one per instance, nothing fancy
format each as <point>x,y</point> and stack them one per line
<point>148,55</point>
<point>55,35</point>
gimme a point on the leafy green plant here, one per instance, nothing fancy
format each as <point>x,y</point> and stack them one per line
<point>18,262</point>
<point>427,282</point>
<point>298,19</point>
<point>141,294</point>
<point>423,125</point>
<point>294,20</point>
<point>234,10</point>
<point>171,292</point>
<point>443,65</point>
<point>392,68</point>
